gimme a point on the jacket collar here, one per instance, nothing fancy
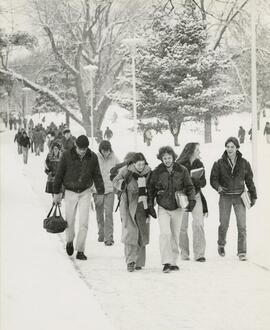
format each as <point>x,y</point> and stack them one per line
<point>225,155</point>
<point>74,154</point>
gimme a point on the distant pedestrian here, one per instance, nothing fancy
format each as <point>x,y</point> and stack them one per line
<point>25,145</point>
<point>5,121</point>
<point>266,131</point>
<point>167,179</point>
<point>51,165</point>
<point>250,134</point>
<point>77,171</point>
<point>241,134</point>
<point>104,202</point>
<point>68,140</point>
<point>99,135</point>
<point>147,137</point>
<point>229,176</point>
<point>132,182</point>
<point>190,158</point>
<point>108,134</point>
<point>17,139</point>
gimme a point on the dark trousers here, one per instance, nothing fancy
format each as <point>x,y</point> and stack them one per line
<point>225,205</point>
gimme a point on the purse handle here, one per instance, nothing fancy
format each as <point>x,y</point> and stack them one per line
<point>57,207</point>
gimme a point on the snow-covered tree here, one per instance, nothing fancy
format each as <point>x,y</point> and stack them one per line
<point>178,77</point>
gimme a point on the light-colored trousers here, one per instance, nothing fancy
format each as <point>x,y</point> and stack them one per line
<point>197,229</point>
<point>104,213</point>
<point>80,201</point>
<point>25,154</point>
<point>135,253</point>
<point>169,225</point>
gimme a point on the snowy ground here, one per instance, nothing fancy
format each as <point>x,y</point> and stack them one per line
<point>221,294</point>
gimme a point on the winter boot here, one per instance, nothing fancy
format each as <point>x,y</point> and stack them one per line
<point>242,257</point>
<point>174,267</point>
<point>81,256</point>
<point>202,259</point>
<point>166,268</point>
<point>69,248</point>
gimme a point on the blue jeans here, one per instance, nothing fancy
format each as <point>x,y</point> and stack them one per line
<point>225,205</point>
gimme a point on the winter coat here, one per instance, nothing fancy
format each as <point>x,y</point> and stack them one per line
<point>108,134</point>
<point>51,165</point>
<point>233,180</point>
<point>105,165</point>
<point>129,210</point>
<point>18,137</point>
<point>38,137</point>
<point>163,185</point>
<point>78,174</point>
<point>24,142</point>
<point>198,184</point>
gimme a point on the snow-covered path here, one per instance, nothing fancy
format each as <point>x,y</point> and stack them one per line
<point>222,293</point>
<point>39,288</point>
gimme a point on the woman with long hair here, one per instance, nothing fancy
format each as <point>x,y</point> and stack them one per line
<point>132,181</point>
<point>190,158</point>
<point>51,165</point>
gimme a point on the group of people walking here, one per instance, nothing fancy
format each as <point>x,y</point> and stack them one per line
<point>170,193</point>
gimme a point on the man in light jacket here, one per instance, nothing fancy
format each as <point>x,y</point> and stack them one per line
<point>104,202</point>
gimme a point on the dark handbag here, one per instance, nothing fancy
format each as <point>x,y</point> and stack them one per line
<point>54,224</point>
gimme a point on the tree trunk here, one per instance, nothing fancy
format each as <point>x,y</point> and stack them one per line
<point>100,112</point>
<point>208,128</point>
<point>67,119</point>
<point>175,126</point>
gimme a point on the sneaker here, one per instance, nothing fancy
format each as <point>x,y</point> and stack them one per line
<point>242,257</point>
<point>81,256</point>
<point>131,267</point>
<point>221,251</point>
<point>174,267</point>
<point>138,268</point>
<point>109,243</point>
<point>166,268</point>
<point>69,248</point>
<point>202,259</point>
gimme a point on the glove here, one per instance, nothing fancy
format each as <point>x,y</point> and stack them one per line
<point>135,176</point>
<point>151,211</point>
<point>191,206</point>
<point>57,198</point>
<point>222,190</point>
<point>252,202</point>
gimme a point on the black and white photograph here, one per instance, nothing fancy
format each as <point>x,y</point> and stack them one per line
<point>134,164</point>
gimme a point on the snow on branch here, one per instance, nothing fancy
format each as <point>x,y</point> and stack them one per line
<point>43,90</point>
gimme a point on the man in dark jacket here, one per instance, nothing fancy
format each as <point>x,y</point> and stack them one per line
<point>167,179</point>
<point>67,140</point>
<point>25,145</point>
<point>77,171</point>
<point>229,176</point>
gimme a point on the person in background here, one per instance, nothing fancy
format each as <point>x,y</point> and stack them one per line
<point>147,137</point>
<point>77,171</point>
<point>266,131</point>
<point>241,134</point>
<point>104,202</point>
<point>68,140</point>
<point>108,134</point>
<point>229,175</point>
<point>99,135</point>
<point>17,139</point>
<point>51,165</point>
<point>132,181</point>
<point>30,134</point>
<point>168,178</point>
<point>190,158</point>
<point>25,145</point>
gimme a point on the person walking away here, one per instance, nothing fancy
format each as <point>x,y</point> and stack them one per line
<point>229,175</point>
<point>108,134</point>
<point>132,182</point>
<point>190,158</point>
<point>168,178</point>
<point>51,165</point>
<point>104,202</point>
<point>241,134</point>
<point>25,145</point>
<point>67,140</point>
<point>30,134</point>
<point>17,139</point>
<point>77,171</point>
<point>266,131</point>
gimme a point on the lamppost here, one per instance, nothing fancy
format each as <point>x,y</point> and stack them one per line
<point>25,99</point>
<point>91,70</point>
<point>254,91</point>
<point>132,45</point>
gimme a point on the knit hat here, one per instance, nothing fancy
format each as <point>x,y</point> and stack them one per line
<point>82,142</point>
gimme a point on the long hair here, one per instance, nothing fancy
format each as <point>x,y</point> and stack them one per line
<point>187,152</point>
<point>138,156</point>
